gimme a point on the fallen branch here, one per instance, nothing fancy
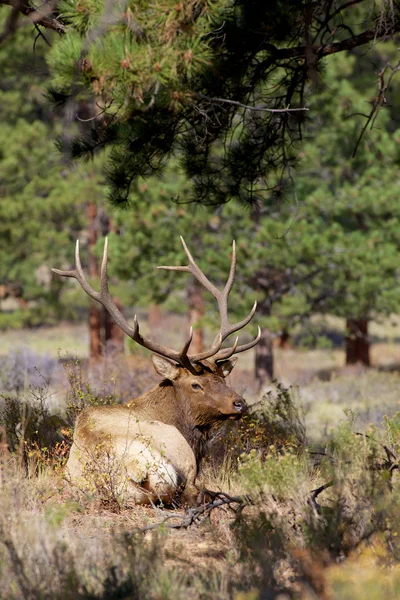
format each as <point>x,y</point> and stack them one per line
<point>315,493</point>
<point>198,514</point>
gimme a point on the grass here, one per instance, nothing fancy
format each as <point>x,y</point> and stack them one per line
<point>365,397</point>
<point>68,337</point>
<point>58,543</point>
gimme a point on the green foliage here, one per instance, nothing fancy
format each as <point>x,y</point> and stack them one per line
<point>335,252</point>
<point>176,78</point>
<point>43,198</point>
<point>274,425</point>
<point>312,508</point>
<point>24,69</point>
<point>150,44</point>
<point>24,318</point>
<point>278,474</point>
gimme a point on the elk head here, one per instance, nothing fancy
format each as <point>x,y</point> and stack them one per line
<point>203,392</point>
<point>198,379</point>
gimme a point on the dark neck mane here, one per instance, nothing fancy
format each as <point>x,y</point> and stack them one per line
<point>161,404</point>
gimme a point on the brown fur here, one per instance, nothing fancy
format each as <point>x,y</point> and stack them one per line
<point>170,423</point>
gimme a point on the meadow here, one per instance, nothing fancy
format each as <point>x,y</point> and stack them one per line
<point>306,492</point>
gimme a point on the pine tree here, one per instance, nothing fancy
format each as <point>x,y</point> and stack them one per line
<point>334,251</point>
<point>42,207</point>
<point>200,80</point>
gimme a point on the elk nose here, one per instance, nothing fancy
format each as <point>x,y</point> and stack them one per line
<point>240,405</point>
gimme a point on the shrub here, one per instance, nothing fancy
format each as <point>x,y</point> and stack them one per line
<point>80,393</point>
<point>18,319</point>
<point>32,433</point>
<point>274,424</point>
<point>307,515</point>
<point>111,380</point>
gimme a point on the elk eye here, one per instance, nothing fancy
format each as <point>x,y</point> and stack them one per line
<point>196,386</point>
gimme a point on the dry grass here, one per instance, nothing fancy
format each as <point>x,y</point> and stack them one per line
<point>363,396</point>
<point>52,547</point>
<point>292,366</point>
<point>58,543</point>
<point>66,337</point>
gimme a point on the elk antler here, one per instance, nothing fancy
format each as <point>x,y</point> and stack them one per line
<point>221,297</point>
<point>105,298</point>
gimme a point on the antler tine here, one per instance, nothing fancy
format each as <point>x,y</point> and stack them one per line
<point>232,328</point>
<point>232,271</point>
<point>78,264</point>
<point>184,359</point>
<point>79,275</point>
<point>221,296</point>
<point>187,343</point>
<point>228,352</point>
<point>215,347</point>
<point>105,298</point>
<point>198,273</point>
<point>195,270</point>
<point>103,270</point>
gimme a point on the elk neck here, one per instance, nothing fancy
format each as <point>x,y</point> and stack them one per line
<point>163,404</point>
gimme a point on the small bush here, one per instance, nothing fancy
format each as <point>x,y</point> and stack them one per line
<point>306,516</point>
<point>32,433</point>
<point>80,393</point>
<point>274,424</point>
<point>111,380</point>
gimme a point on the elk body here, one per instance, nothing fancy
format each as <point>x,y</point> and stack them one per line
<point>152,447</point>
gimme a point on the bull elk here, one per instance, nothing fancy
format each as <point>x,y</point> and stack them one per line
<point>156,442</point>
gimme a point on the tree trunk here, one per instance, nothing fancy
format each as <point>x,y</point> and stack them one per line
<point>114,337</point>
<point>284,339</point>
<point>95,349</point>
<point>154,316</point>
<point>264,361</point>
<point>357,342</point>
<point>196,304</point>
<point>95,343</point>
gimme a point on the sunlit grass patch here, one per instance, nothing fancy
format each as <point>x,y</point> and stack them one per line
<point>368,394</point>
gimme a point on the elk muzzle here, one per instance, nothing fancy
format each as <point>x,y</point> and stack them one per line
<point>239,408</point>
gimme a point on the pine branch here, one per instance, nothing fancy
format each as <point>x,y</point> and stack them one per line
<point>260,107</point>
<point>319,51</point>
<point>39,16</point>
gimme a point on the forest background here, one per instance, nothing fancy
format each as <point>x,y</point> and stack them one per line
<point>320,238</point>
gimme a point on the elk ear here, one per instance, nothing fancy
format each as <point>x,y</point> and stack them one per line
<point>226,366</point>
<point>165,367</point>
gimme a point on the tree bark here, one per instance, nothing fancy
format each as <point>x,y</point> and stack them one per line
<point>264,361</point>
<point>196,304</point>
<point>114,337</point>
<point>357,342</point>
<point>95,342</point>
<point>284,339</point>
<point>154,316</point>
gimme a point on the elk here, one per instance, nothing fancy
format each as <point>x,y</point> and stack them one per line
<point>155,443</point>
